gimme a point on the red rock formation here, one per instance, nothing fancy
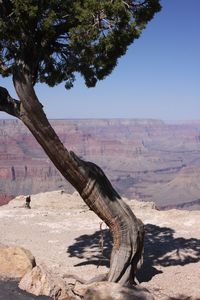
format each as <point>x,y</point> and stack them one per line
<point>139,156</point>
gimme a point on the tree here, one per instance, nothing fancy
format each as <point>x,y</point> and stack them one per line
<point>49,41</point>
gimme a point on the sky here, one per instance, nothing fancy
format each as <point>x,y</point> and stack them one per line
<point>158,78</point>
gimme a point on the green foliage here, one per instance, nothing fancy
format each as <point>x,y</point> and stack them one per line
<point>56,38</point>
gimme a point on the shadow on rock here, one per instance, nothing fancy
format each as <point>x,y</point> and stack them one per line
<point>182,297</point>
<point>94,248</point>
<point>161,248</point>
<point>9,290</point>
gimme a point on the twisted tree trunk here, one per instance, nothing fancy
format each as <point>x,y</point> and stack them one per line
<point>86,177</point>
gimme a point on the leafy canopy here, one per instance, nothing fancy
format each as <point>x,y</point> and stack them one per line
<point>56,38</point>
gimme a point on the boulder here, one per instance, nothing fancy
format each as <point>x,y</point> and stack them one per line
<point>15,262</point>
<point>41,281</point>
<point>114,291</point>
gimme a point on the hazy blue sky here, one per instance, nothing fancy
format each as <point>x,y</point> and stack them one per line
<point>158,78</point>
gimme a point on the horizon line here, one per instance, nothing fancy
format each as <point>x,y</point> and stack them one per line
<point>114,118</point>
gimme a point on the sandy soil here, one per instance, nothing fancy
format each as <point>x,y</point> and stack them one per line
<point>63,233</point>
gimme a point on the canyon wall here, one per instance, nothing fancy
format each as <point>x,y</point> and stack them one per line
<point>144,159</point>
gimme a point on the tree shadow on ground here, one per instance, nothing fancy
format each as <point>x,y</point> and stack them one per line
<point>161,248</point>
<point>93,248</point>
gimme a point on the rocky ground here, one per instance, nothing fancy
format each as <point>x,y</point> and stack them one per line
<point>64,234</point>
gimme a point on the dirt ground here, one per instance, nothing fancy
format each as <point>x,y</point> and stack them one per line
<point>63,233</point>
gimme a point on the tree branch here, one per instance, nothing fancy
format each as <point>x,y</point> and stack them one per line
<point>8,104</point>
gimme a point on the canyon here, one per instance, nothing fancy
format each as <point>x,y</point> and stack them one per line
<point>145,159</point>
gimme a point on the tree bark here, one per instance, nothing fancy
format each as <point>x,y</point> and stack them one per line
<point>86,177</point>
